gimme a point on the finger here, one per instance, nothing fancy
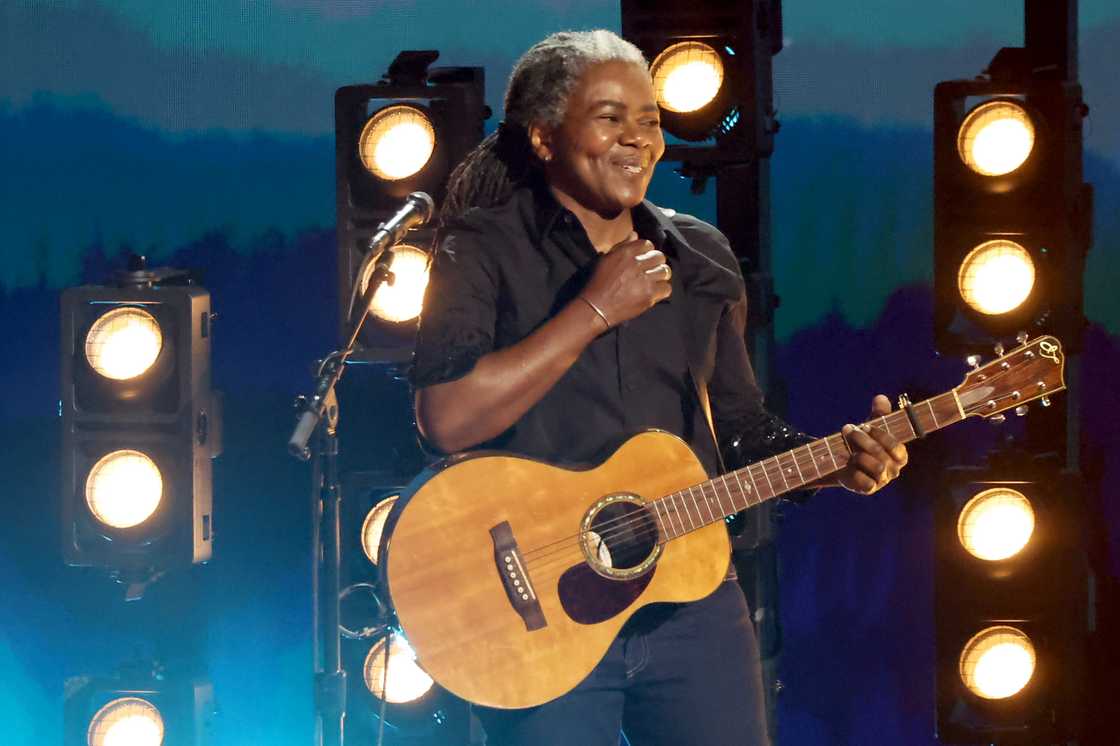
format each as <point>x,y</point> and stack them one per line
<point>660,272</point>
<point>650,257</point>
<point>895,450</point>
<point>631,238</point>
<point>880,405</point>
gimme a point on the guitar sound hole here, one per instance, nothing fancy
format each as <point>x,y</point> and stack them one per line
<point>623,536</point>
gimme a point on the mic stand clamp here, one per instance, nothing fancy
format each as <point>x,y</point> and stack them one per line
<point>318,416</point>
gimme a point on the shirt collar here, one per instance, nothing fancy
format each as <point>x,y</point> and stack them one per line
<point>544,214</point>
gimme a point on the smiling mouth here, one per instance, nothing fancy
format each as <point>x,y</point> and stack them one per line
<point>634,166</point>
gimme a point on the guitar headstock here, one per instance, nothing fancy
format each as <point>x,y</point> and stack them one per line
<point>1034,370</point>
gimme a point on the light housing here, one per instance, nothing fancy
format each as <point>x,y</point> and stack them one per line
<point>138,709</point>
<point>437,116</point>
<point>1007,172</point>
<point>166,417</point>
<point>1010,601</point>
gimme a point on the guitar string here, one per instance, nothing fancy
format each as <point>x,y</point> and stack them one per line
<point>563,553</point>
<point>543,556</point>
<point>666,509</point>
<point>773,473</point>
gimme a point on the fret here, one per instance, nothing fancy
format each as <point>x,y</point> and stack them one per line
<point>929,403</point>
<point>830,454</point>
<point>723,511</point>
<point>677,512</point>
<point>886,425</point>
<point>707,502</point>
<point>687,514</point>
<point>660,519</point>
<point>767,475</point>
<point>793,455</point>
<point>746,491</point>
<point>781,471</point>
<point>813,458</point>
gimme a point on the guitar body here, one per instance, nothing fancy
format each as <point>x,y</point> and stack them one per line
<point>479,635</point>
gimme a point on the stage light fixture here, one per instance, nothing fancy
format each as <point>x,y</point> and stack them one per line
<point>996,524</point>
<point>1012,615</point>
<point>996,277</point>
<point>137,708</point>
<point>1012,215</point>
<point>140,424</point>
<point>710,64</point>
<point>398,680</point>
<point>129,720</point>
<point>400,135</point>
<point>401,301</point>
<point>123,343</point>
<point>996,137</point>
<point>997,662</point>
<point>686,76</point>
<point>124,488</point>
<point>373,527</point>
<point>397,142</point>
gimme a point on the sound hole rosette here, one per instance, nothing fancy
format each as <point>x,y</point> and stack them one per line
<point>620,526</point>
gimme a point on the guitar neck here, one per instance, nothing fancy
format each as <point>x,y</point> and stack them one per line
<point>679,513</point>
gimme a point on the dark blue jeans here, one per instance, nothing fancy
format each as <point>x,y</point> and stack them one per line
<point>679,675</point>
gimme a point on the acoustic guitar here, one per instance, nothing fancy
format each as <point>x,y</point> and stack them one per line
<point>510,577</point>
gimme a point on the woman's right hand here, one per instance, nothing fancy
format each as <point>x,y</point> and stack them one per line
<point>628,280</point>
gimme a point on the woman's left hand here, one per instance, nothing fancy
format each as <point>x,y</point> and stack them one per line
<point>877,457</point>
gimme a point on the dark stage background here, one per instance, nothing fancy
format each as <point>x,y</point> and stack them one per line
<point>200,133</point>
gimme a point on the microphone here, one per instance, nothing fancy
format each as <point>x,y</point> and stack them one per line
<point>416,210</point>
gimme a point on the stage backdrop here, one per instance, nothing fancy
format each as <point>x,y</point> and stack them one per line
<point>200,133</point>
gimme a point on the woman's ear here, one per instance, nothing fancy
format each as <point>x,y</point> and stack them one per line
<point>540,141</point>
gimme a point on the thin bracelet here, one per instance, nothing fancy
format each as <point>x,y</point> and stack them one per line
<point>597,310</point>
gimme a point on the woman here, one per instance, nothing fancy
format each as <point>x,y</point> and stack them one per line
<point>564,314</point>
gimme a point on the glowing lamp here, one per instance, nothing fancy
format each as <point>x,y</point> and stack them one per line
<point>686,76</point>
<point>996,524</point>
<point>403,300</point>
<point>996,277</point>
<point>401,679</point>
<point>127,721</point>
<point>997,662</point>
<point>374,525</point>
<point>397,142</point>
<point>996,138</point>
<point>123,343</point>
<point>124,488</point>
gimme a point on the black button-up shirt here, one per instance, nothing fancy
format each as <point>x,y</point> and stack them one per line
<point>501,272</point>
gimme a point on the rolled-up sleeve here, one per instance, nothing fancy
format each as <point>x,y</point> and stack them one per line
<point>460,309</point>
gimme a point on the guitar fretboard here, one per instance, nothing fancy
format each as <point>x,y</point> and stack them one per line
<point>678,513</point>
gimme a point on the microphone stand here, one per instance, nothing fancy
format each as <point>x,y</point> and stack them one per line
<point>319,418</point>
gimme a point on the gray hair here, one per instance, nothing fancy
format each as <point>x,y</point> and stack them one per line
<point>543,79</point>
<point>539,88</point>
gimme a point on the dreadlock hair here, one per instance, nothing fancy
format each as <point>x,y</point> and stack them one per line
<point>539,87</point>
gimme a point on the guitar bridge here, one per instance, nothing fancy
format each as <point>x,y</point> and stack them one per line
<point>511,569</point>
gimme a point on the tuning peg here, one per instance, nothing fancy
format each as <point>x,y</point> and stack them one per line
<point>973,361</point>
<point>1022,338</point>
<point>1044,401</point>
<point>999,348</point>
<point>1021,410</point>
<point>903,401</point>
<point>997,419</point>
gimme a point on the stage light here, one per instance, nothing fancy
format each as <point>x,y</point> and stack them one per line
<point>996,277</point>
<point>403,134</point>
<point>140,424</point>
<point>996,137</point>
<point>997,662</point>
<point>137,707</point>
<point>686,76</point>
<point>123,343</point>
<point>397,142</point>
<point>996,524</point>
<point>1012,215</point>
<point>403,300</point>
<point>124,488</point>
<point>128,721</point>
<point>374,526</point>
<point>400,680</point>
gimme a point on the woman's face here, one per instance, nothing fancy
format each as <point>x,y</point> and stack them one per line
<point>603,153</point>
